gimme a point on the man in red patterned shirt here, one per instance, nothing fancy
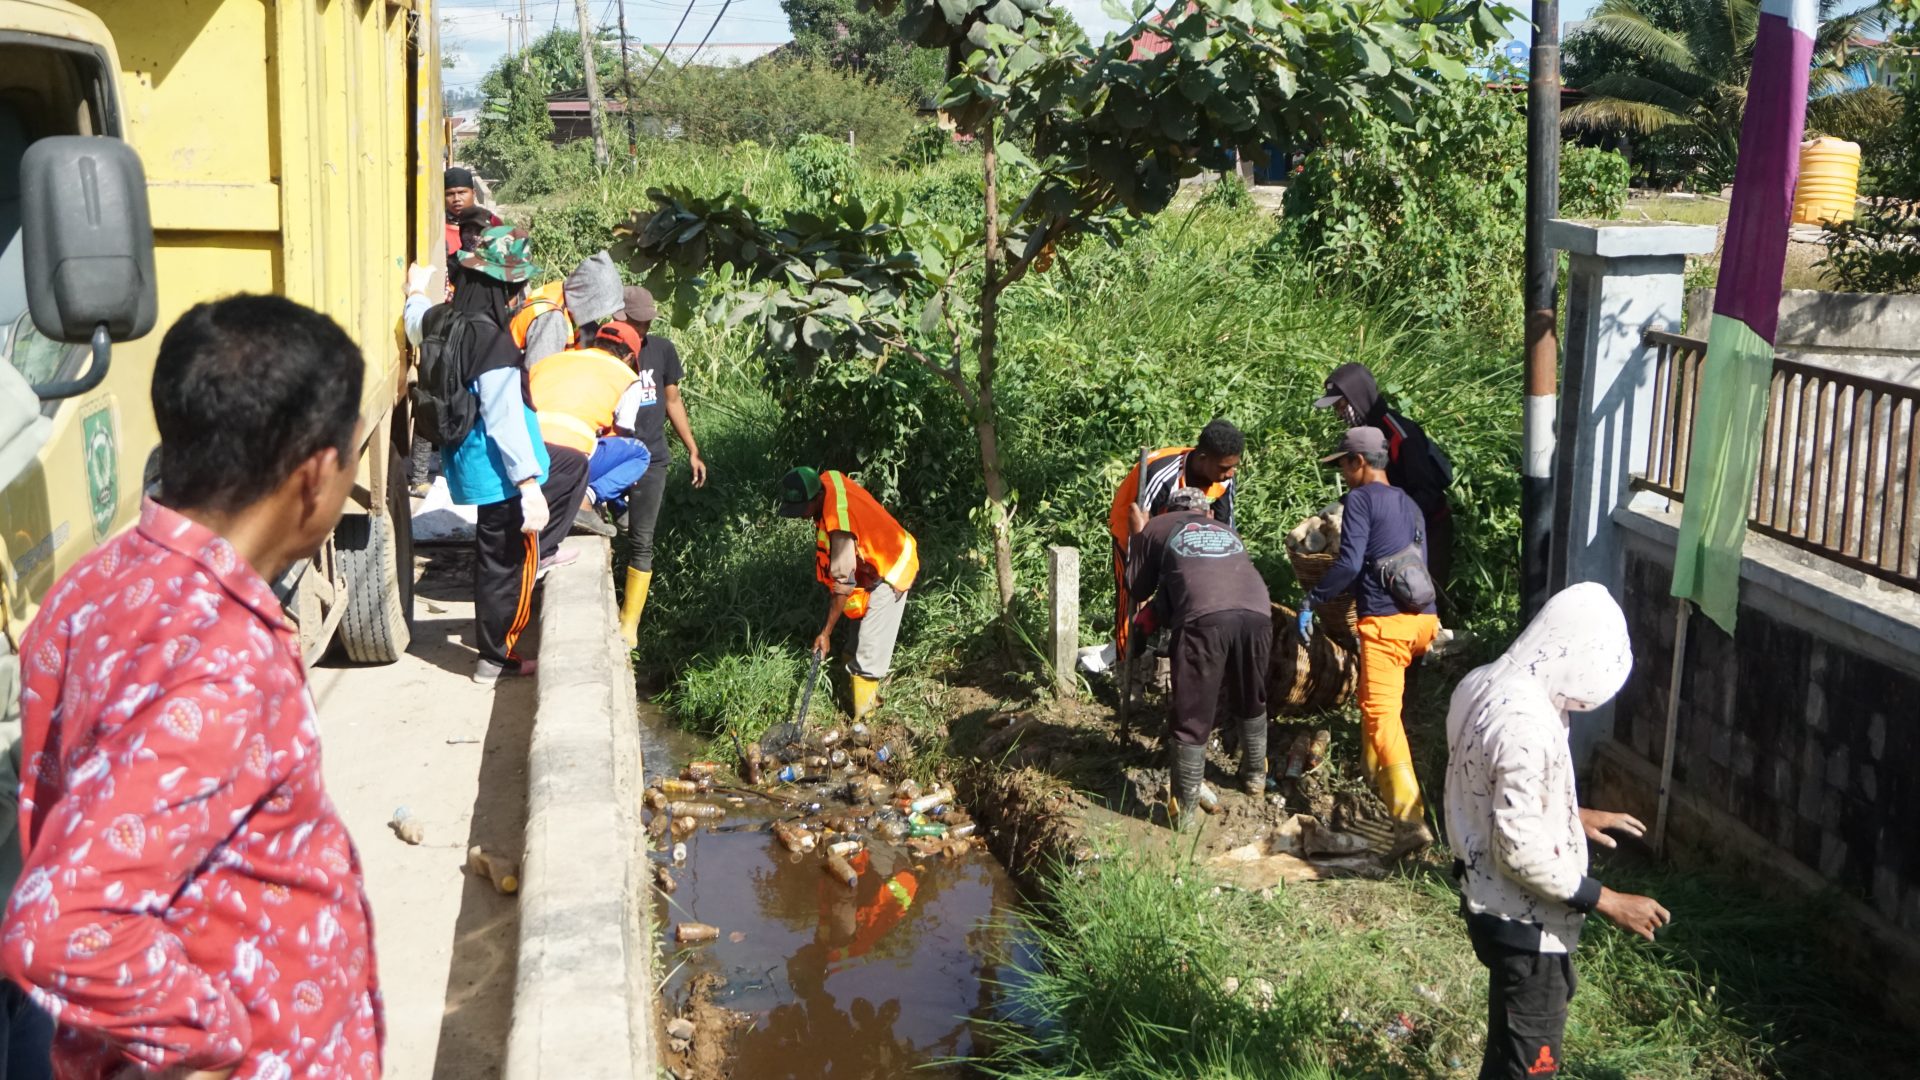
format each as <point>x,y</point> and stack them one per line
<point>191,903</point>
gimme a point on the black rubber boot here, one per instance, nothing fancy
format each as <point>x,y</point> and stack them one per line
<point>1253,756</point>
<point>1189,769</point>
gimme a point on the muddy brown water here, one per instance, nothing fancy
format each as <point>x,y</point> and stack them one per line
<point>888,978</point>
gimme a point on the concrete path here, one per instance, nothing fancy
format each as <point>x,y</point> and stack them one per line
<point>420,734</point>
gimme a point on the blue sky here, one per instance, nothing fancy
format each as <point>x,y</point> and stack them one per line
<point>476,30</point>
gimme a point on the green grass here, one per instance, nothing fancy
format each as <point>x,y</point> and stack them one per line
<point>1137,952</point>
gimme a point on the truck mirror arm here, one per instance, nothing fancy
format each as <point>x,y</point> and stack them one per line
<point>96,371</point>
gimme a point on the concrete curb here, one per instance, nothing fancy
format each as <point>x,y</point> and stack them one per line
<point>583,993</point>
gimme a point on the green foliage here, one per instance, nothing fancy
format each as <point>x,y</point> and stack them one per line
<point>1227,193</point>
<point>1433,215</point>
<point>1674,76</point>
<point>514,126</point>
<point>927,144</point>
<point>1878,251</point>
<point>1876,119</point>
<point>1593,183</point>
<point>1135,952</point>
<point>823,167</point>
<point>775,102</point>
<point>855,38</point>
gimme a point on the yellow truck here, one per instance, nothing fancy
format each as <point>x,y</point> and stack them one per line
<point>289,146</point>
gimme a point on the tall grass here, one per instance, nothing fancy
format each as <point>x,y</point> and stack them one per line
<point>1378,979</point>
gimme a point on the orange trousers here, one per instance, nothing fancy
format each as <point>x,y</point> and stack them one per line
<point>1388,645</point>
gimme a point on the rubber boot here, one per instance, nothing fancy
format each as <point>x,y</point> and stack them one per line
<point>1253,756</point>
<point>633,603</point>
<point>865,694</point>
<point>1189,770</point>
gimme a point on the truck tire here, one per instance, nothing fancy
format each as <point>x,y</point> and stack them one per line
<point>375,554</point>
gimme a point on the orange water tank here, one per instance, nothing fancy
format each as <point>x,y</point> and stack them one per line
<point>1829,180</point>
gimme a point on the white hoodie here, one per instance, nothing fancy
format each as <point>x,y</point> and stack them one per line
<point>1512,814</point>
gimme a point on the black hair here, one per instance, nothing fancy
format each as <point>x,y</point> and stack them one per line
<point>1375,459</point>
<point>1220,439</point>
<point>245,389</point>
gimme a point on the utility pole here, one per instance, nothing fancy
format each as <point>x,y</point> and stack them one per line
<point>526,41</point>
<point>626,87</point>
<point>594,104</point>
<point>1542,340</point>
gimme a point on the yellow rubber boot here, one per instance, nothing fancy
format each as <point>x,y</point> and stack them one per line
<point>1400,790</point>
<point>635,601</point>
<point>865,691</point>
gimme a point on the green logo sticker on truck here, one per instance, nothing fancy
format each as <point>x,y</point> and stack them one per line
<point>103,468</point>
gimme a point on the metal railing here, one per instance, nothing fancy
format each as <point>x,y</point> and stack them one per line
<point>1839,460</point>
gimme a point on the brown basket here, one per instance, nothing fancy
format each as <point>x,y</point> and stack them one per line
<point>1306,677</point>
<point>1336,617</point>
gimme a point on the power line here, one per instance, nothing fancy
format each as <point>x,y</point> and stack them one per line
<point>703,41</point>
<point>671,38</point>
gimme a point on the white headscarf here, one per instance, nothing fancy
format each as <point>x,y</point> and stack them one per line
<point>1574,656</point>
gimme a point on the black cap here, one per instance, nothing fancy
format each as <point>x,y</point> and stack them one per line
<point>1358,440</point>
<point>797,491</point>
<point>1344,375</point>
<point>457,177</point>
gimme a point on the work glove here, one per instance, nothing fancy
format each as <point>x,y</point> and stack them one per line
<point>533,507</point>
<point>1306,624</point>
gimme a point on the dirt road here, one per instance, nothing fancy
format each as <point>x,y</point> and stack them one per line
<point>420,734</point>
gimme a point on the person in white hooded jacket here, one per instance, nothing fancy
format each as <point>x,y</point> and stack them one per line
<point>1517,828</point>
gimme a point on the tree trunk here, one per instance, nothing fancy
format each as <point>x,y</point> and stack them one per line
<point>984,422</point>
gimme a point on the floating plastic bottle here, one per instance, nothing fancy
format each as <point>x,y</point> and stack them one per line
<point>842,871</point>
<point>793,839</point>
<point>843,848</point>
<point>696,810</point>
<point>789,774</point>
<point>679,854</point>
<point>497,869</point>
<point>695,931</point>
<point>663,877</point>
<point>961,831</point>
<point>700,770</point>
<point>684,827</point>
<point>928,803</point>
<point>752,764</point>
<point>930,830</point>
<point>675,786</point>
<point>837,759</point>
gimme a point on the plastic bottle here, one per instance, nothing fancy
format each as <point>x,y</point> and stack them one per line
<point>928,803</point>
<point>654,799</point>
<point>1297,755</point>
<point>791,838</point>
<point>962,831</point>
<point>1317,750</point>
<point>695,931</point>
<point>752,764</point>
<point>1209,799</point>
<point>884,754</point>
<point>679,854</point>
<point>837,759</point>
<point>907,790</point>
<point>930,829</point>
<point>861,736</point>
<point>788,774</point>
<point>675,786</point>
<point>891,828</point>
<point>495,868</point>
<point>700,770</point>
<point>405,827</point>
<point>681,809</point>
<point>831,738</point>
<point>663,877</point>
<point>684,827</point>
<point>841,871</point>
<point>843,848</point>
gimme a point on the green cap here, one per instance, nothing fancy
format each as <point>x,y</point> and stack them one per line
<point>504,253</point>
<point>797,491</point>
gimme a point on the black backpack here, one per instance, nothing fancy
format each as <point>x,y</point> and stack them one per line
<point>444,404</point>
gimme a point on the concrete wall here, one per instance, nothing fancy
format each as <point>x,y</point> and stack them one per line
<point>1797,739</point>
<point>1872,334</point>
<point>583,995</point>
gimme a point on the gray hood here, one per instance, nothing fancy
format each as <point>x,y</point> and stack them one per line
<point>593,290</point>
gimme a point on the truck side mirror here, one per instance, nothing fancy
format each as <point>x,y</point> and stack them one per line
<point>88,244</point>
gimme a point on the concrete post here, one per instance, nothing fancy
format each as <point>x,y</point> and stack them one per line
<point>1623,280</point>
<point>1063,636</point>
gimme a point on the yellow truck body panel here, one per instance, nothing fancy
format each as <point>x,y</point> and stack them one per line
<point>291,146</point>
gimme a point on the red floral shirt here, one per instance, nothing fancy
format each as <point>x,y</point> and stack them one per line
<point>190,896</point>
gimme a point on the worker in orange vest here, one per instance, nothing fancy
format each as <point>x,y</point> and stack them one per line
<point>1209,465</point>
<point>576,392</point>
<point>866,561</point>
<point>560,314</point>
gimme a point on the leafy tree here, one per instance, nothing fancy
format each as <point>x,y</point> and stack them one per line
<point>847,35</point>
<point>1678,72</point>
<point>773,103</point>
<point>1101,136</point>
<point>515,129</point>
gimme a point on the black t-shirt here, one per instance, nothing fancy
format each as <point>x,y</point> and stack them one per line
<point>1196,566</point>
<point>658,367</point>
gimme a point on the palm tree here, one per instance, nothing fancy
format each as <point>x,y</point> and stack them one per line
<point>1679,71</point>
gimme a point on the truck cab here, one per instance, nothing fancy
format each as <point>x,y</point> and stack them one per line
<point>288,147</point>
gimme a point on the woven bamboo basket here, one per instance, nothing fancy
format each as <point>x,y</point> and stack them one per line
<point>1307,677</point>
<point>1336,617</point>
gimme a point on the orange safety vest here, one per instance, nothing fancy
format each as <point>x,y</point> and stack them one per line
<point>575,393</point>
<point>548,297</point>
<point>886,551</point>
<point>878,916</point>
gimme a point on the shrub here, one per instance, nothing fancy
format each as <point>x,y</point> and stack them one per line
<point>1878,251</point>
<point>1593,183</point>
<point>927,144</point>
<point>773,104</point>
<point>1430,216</point>
<point>1227,193</point>
<point>824,167</point>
